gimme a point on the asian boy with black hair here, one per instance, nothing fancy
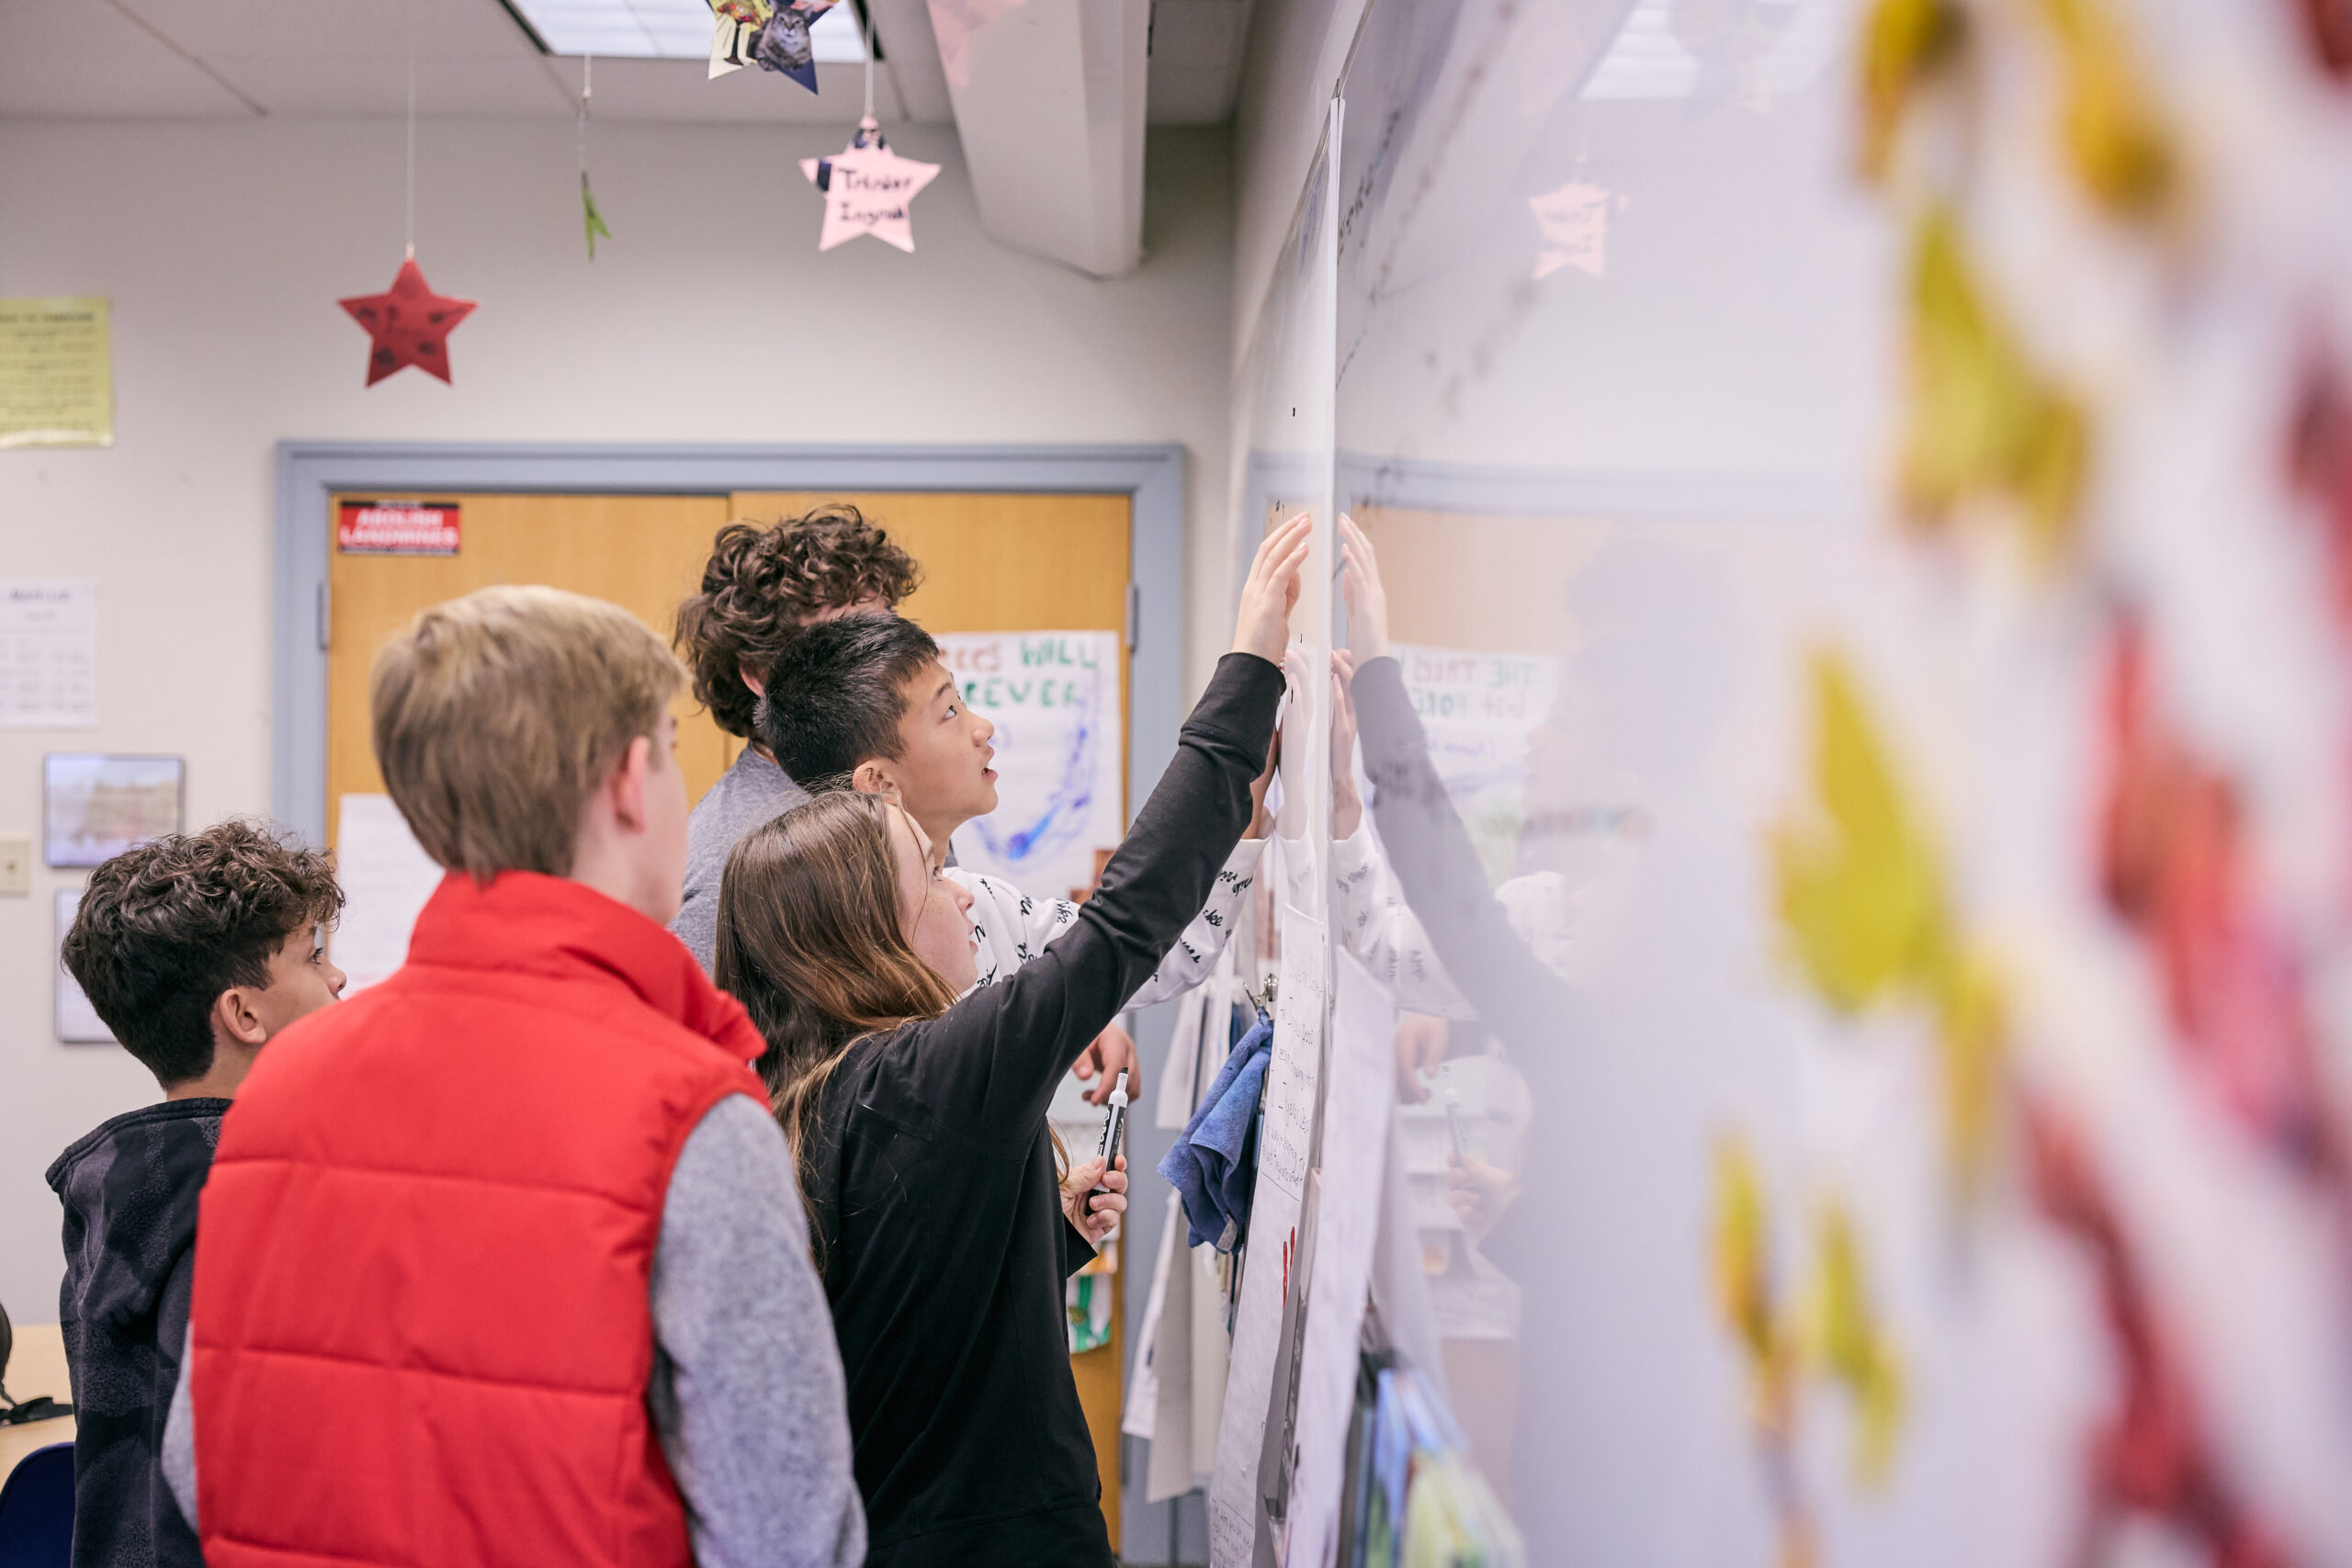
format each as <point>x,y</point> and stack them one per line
<point>862,701</point>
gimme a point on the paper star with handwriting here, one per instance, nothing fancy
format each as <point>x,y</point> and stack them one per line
<point>868,189</point>
<point>1573,222</point>
<point>408,323</point>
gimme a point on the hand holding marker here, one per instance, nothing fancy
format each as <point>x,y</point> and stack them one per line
<point>1115,1127</point>
<point>1096,1192</point>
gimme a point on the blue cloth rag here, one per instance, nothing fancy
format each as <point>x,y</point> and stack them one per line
<point>1214,1163</point>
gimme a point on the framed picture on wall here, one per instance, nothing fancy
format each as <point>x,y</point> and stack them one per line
<point>78,1022</point>
<point>96,805</point>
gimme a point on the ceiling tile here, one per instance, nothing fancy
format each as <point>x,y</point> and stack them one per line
<point>332,58</point>
<point>84,58</point>
<point>360,86</point>
<point>317,28</point>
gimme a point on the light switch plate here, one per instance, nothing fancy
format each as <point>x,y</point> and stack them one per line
<point>16,865</point>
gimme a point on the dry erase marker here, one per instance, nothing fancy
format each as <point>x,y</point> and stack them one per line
<point>1454,1123</point>
<point>1115,1126</point>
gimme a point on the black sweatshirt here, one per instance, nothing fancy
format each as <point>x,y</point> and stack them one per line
<point>130,1189</point>
<point>938,1213</point>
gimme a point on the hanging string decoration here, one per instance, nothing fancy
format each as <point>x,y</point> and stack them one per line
<point>770,36</point>
<point>592,219</point>
<point>408,323</point>
<point>869,188</point>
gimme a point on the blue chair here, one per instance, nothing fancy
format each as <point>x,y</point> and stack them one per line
<point>37,1510</point>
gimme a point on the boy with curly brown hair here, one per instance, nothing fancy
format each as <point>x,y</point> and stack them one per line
<point>196,950</point>
<point>759,588</point>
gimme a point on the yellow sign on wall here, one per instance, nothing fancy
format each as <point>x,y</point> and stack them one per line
<point>56,373</point>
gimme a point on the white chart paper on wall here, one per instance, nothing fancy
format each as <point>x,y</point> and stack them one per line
<point>386,876</point>
<point>1347,1221</point>
<point>1285,1145</point>
<point>1479,710</point>
<point>1060,754</point>
<point>78,1022</point>
<point>49,652</point>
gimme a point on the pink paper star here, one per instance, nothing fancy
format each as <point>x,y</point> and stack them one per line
<point>409,324</point>
<point>867,187</point>
<point>1574,222</point>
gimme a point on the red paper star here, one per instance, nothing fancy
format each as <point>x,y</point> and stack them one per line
<point>410,324</point>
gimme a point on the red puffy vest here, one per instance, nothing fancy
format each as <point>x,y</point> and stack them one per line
<point>421,1331</point>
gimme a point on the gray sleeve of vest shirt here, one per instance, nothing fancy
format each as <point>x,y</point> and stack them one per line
<point>747,1395</point>
<point>178,1458</point>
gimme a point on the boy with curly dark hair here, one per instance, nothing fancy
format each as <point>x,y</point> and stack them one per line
<point>760,587</point>
<point>195,949</point>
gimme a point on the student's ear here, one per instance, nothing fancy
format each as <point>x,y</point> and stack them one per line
<point>233,1018</point>
<point>626,786</point>
<point>752,680</point>
<point>873,777</point>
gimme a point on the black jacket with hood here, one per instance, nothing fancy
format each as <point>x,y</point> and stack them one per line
<point>130,1190</point>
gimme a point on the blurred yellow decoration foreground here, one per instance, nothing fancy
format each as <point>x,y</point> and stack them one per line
<point>1860,889</point>
<point>1905,44</point>
<point>1984,423</point>
<point>1832,1334</point>
<point>2114,135</point>
<point>1863,899</point>
<point>1842,1336</point>
<point>1744,1282</point>
<point>1743,1270</point>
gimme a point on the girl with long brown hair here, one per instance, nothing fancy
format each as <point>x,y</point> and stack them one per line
<point>917,1121</point>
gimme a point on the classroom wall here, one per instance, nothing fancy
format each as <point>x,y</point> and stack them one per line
<point>710,316</point>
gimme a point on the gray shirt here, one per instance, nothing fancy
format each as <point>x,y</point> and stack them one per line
<point>750,793</point>
<point>746,1394</point>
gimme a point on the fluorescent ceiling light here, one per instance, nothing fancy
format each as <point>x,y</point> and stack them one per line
<point>1771,48</point>
<point>667,29</point>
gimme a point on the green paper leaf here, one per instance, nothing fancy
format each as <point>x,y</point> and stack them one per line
<point>591,219</point>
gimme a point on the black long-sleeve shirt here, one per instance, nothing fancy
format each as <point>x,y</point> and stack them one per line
<point>939,1220</point>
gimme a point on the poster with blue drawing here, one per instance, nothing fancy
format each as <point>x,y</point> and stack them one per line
<point>1060,754</point>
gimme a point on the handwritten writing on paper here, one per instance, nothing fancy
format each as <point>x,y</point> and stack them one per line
<point>56,373</point>
<point>1233,1535</point>
<point>1286,1139</point>
<point>1355,1131</point>
<point>1573,222</point>
<point>49,652</point>
<point>1479,710</point>
<point>1054,698</point>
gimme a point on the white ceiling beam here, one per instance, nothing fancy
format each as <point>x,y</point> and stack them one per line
<point>1049,105</point>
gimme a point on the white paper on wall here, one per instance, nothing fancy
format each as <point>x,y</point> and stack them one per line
<point>1479,710</point>
<point>49,652</point>
<point>1060,754</point>
<point>386,876</point>
<point>1347,1221</point>
<point>1283,1147</point>
<point>78,1022</point>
